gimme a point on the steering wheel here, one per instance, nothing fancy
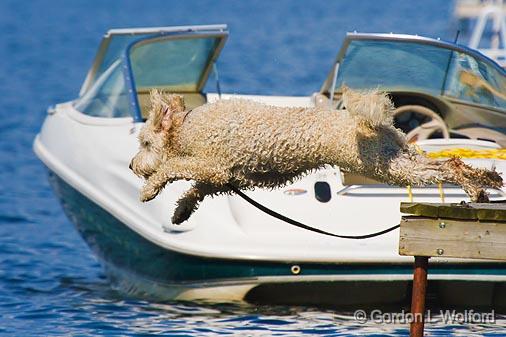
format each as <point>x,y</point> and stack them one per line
<point>425,130</point>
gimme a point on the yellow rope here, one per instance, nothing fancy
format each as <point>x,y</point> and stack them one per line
<point>441,192</point>
<point>469,153</point>
<point>419,149</point>
<point>410,193</point>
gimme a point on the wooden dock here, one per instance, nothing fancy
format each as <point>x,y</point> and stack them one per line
<point>465,230</point>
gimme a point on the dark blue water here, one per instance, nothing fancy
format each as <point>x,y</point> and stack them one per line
<point>50,284</point>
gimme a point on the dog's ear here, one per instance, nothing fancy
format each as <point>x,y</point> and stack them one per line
<point>177,103</point>
<point>174,103</point>
<point>158,107</point>
<point>167,118</point>
<point>348,95</point>
<point>163,108</point>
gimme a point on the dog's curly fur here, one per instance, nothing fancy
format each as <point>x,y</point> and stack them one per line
<point>249,144</point>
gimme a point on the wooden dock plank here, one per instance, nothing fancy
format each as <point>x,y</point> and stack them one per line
<point>465,211</point>
<point>452,238</point>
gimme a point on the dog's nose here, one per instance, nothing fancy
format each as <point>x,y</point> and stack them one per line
<point>130,166</point>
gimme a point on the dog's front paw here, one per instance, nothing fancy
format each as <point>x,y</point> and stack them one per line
<point>182,213</point>
<point>148,193</point>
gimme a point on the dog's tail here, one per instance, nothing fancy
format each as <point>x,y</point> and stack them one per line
<point>373,107</point>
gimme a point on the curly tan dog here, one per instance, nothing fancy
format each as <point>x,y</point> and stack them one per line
<point>249,144</point>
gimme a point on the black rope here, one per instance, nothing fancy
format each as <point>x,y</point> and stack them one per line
<point>301,225</point>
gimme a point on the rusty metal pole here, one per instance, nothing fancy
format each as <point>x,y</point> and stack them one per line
<point>418,296</point>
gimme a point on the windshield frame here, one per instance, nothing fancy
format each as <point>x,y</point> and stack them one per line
<point>140,33</point>
<point>217,32</point>
<point>330,81</point>
<point>128,71</point>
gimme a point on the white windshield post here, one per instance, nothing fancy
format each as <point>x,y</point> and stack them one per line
<point>492,11</point>
<point>333,87</point>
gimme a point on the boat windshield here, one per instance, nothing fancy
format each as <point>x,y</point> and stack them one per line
<point>152,50</point>
<point>412,66</point>
<point>172,65</point>
<point>110,50</point>
<point>176,65</point>
<point>108,96</point>
<point>115,46</point>
<point>174,62</point>
<point>473,80</point>
<point>393,64</point>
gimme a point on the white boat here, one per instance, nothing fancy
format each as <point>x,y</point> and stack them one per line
<point>229,250</point>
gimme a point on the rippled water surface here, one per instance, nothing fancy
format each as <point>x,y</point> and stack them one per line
<point>50,284</point>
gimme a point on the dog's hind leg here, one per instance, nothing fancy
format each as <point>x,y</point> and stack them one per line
<point>417,170</point>
<point>189,202</point>
<point>183,168</point>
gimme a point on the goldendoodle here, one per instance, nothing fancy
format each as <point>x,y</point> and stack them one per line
<point>250,144</point>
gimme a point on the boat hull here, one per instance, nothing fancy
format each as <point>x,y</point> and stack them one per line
<point>140,267</point>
